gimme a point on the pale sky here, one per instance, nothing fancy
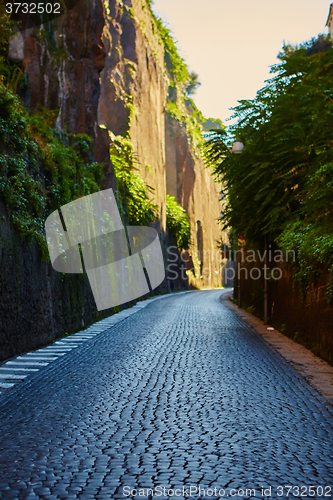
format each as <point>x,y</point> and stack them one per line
<point>231,44</point>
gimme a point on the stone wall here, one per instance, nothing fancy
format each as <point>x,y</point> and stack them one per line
<point>194,188</point>
<point>37,304</point>
<point>105,73</point>
<point>303,315</point>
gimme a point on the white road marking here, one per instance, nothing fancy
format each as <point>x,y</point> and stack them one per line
<point>27,362</point>
<point>72,340</point>
<point>53,353</point>
<point>65,344</point>
<point>34,357</point>
<point>5,367</point>
<point>60,350</point>
<point>45,355</point>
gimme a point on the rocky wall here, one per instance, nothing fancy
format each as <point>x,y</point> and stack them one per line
<point>37,304</point>
<point>100,69</point>
<point>134,89</point>
<point>62,62</point>
<point>194,188</point>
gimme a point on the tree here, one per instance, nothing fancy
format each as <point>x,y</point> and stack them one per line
<point>192,84</point>
<point>281,184</point>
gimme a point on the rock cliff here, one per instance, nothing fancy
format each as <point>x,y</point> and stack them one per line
<point>100,68</point>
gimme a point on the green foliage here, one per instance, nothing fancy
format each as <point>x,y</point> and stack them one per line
<point>251,310</point>
<point>178,223</point>
<point>183,84</point>
<point>313,244</point>
<point>174,62</point>
<point>41,169</point>
<point>6,31</point>
<point>210,124</point>
<point>295,337</point>
<point>189,115</point>
<point>194,120</point>
<point>133,194</point>
<point>192,84</point>
<point>281,184</point>
<point>11,72</point>
<point>175,111</point>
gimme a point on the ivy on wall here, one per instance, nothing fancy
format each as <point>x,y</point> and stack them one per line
<point>133,194</point>
<point>41,168</point>
<point>182,85</point>
<point>178,223</point>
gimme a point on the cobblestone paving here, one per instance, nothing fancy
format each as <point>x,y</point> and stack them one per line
<point>181,394</point>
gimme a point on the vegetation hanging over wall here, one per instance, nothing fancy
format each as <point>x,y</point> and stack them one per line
<point>174,62</point>
<point>178,223</point>
<point>133,193</point>
<point>41,168</point>
<point>183,83</point>
<point>281,185</point>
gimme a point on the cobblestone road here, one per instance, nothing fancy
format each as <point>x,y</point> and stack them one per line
<point>180,394</point>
